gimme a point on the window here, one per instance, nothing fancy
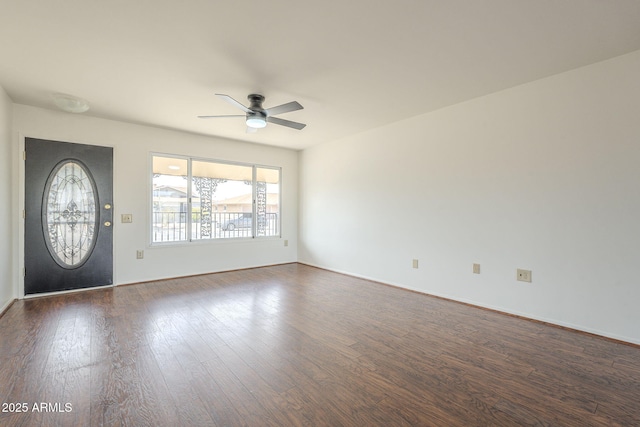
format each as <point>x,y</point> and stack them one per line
<point>197,199</point>
<point>170,200</point>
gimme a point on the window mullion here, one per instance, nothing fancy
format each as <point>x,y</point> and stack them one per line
<point>254,195</point>
<point>189,201</point>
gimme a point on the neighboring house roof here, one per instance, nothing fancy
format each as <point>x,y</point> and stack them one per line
<point>170,187</point>
<point>272,199</point>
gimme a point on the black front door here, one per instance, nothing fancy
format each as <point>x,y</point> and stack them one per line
<point>68,216</point>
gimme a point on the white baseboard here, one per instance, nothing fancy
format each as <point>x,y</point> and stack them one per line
<point>7,305</point>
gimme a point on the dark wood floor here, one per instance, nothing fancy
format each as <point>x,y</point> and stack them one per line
<point>294,345</point>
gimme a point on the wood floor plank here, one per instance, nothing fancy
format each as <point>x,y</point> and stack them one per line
<point>293,345</point>
<point>187,403</point>
<point>240,402</point>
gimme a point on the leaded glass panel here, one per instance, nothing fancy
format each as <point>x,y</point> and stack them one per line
<point>69,214</point>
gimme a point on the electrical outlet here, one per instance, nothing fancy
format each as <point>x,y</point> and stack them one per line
<point>125,218</point>
<point>286,243</point>
<point>476,268</point>
<point>523,275</point>
<point>139,254</point>
<point>415,263</point>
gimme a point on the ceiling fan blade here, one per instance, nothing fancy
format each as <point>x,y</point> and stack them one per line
<point>233,102</point>
<point>284,108</point>
<point>288,123</point>
<point>216,117</point>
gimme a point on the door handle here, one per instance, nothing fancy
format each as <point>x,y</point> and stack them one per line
<point>107,223</point>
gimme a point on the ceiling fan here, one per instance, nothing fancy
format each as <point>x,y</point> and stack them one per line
<point>257,117</point>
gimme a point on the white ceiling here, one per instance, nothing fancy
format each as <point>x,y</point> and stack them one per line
<point>353,65</point>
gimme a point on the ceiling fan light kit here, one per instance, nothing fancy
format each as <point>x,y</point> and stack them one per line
<point>256,116</point>
<point>256,121</point>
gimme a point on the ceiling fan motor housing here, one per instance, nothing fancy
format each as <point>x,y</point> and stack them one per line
<point>255,101</point>
<point>256,119</point>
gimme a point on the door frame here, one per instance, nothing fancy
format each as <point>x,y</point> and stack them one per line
<point>19,255</point>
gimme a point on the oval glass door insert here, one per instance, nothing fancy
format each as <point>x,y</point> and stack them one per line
<point>69,214</point>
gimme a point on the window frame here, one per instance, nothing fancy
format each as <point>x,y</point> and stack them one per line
<point>189,214</point>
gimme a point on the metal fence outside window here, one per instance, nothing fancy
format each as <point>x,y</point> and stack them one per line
<point>172,226</point>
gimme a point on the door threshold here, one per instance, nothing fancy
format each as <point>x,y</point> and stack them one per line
<point>67,291</point>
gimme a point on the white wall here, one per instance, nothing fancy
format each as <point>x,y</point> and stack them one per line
<point>7,277</point>
<point>544,176</point>
<point>132,147</point>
